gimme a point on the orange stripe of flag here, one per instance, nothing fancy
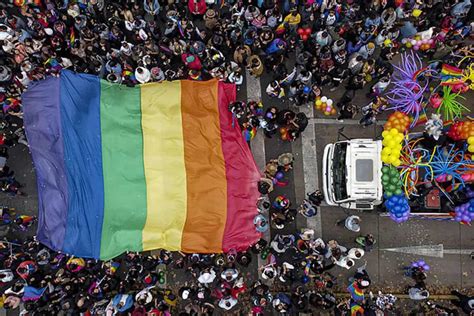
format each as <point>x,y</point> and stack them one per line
<point>205,168</point>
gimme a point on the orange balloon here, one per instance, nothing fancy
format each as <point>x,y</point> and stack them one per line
<point>283,130</point>
<point>333,111</point>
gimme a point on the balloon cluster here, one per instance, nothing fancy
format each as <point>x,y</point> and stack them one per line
<point>465,212</point>
<point>420,264</point>
<point>392,146</point>
<point>461,130</point>
<point>325,105</point>
<point>391,181</point>
<point>397,206</point>
<point>470,142</point>
<point>398,120</point>
<point>418,44</point>
<point>304,33</point>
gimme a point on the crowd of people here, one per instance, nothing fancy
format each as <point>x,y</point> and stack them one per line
<point>305,46</point>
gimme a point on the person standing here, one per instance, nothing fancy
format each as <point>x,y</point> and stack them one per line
<point>352,223</point>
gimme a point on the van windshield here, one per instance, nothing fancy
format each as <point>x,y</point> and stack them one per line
<point>339,171</point>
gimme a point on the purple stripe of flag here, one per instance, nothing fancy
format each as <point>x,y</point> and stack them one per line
<point>42,119</point>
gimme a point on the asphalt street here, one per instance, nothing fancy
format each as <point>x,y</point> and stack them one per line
<point>445,246</point>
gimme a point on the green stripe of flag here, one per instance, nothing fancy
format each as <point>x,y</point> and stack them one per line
<point>125,204</point>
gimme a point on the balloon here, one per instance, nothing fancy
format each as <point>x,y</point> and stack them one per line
<point>324,99</point>
<point>304,37</point>
<point>319,102</point>
<point>404,41</point>
<point>413,42</point>
<point>421,262</point>
<point>426,267</point>
<point>279,175</point>
<point>307,31</point>
<point>300,31</point>
<point>329,102</point>
<point>389,136</point>
<point>409,45</point>
<point>386,151</point>
<point>471,148</point>
<point>416,47</point>
<point>396,163</point>
<point>385,134</point>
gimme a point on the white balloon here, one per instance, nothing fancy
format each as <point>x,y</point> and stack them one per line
<point>329,102</point>
<point>324,99</point>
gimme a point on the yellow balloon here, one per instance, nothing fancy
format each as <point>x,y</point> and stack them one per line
<point>471,148</point>
<point>388,137</point>
<point>385,158</point>
<point>385,133</point>
<point>319,102</point>
<point>391,159</point>
<point>399,138</point>
<point>409,45</point>
<point>394,132</point>
<point>396,163</point>
<point>392,143</point>
<point>386,151</point>
<point>416,13</point>
<point>470,140</point>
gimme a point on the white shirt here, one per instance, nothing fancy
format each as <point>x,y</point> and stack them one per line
<point>342,262</point>
<point>352,253</point>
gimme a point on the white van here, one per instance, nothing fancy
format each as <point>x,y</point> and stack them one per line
<point>352,174</point>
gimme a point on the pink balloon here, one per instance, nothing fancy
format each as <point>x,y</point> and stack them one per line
<point>430,41</point>
<point>416,47</point>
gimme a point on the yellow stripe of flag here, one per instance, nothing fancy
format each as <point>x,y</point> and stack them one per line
<point>165,171</point>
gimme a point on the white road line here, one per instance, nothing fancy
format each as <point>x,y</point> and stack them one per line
<point>435,251</point>
<point>310,167</point>
<point>315,120</point>
<point>254,93</point>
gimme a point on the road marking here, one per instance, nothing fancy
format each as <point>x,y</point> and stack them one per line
<point>435,251</point>
<point>310,167</point>
<point>257,145</point>
<point>315,120</point>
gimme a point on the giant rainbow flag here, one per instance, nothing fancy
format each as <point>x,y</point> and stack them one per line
<point>121,169</point>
